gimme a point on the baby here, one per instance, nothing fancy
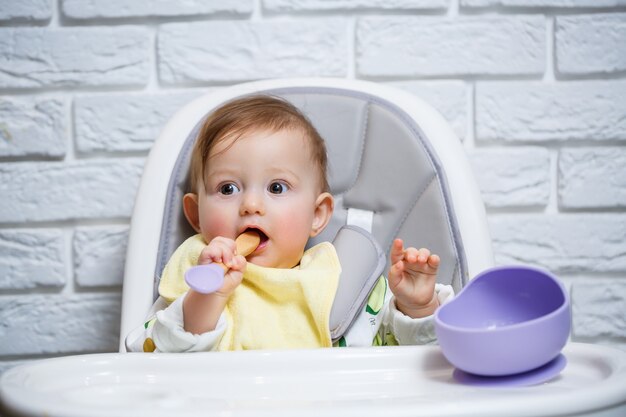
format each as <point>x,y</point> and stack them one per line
<point>258,164</point>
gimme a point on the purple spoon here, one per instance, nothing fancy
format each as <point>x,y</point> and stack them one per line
<point>209,278</point>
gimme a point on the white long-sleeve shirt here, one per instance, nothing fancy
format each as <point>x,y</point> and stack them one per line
<point>379,323</point>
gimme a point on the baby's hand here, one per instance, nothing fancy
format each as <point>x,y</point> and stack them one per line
<point>412,278</point>
<point>201,312</point>
<point>223,250</point>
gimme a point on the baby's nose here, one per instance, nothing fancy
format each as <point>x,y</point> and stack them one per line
<point>252,203</point>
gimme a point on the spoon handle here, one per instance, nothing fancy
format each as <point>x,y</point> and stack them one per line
<point>247,242</point>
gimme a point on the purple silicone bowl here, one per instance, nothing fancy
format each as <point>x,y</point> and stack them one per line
<point>506,321</point>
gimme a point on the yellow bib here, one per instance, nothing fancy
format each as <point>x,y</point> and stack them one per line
<point>172,284</point>
<point>272,308</point>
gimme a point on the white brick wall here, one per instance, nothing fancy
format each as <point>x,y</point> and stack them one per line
<point>229,51</point>
<point>535,89</point>
<point>73,56</point>
<point>124,122</point>
<point>436,47</point>
<point>541,111</point>
<point>94,9</point>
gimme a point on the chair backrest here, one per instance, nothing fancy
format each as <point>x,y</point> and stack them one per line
<point>396,169</point>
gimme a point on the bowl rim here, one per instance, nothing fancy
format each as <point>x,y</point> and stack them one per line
<point>565,305</point>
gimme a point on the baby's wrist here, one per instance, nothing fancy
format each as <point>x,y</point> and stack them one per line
<point>418,311</point>
<point>201,312</point>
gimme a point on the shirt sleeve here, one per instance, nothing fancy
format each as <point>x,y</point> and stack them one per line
<point>409,331</point>
<point>164,331</point>
<point>380,323</point>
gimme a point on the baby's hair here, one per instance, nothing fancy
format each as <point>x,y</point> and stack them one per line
<point>257,112</point>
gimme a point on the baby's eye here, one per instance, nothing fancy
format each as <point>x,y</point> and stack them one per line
<point>228,189</point>
<point>278,188</point>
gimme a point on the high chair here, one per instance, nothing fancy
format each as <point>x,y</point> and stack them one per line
<point>396,170</point>
<point>387,152</point>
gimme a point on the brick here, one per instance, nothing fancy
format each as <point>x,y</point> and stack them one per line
<point>32,258</point>
<point>94,9</point>
<point>561,243</point>
<point>122,123</point>
<point>26,10</point>
<point>33,127</point>
<point>51,324</point>
<point>598,307</point>
<point>94,56</point>
<point>567,4</point>
<point>517,177</point>
<point>592,178</point>
<point>99,255</point>
<point>355,5</point>
<point>591,44</point>
<point>448,97</point>
<point>252,50</point>
<point>538,111</point>
<point>51,191</point>
<point>429,46</point>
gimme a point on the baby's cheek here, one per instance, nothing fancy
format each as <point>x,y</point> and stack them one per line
<point>293,225</point>
<point>216,225</point>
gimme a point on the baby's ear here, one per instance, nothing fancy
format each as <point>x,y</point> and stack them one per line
<point>190,208</point>
<point>324,206</point>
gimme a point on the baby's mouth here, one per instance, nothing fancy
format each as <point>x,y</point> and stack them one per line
<point>264,238</point>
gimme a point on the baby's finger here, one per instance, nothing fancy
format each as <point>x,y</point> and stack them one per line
<point>226,243</point>
<point>227,256</point>
<point>411,255</point>
<point>219,250</point>
<point>397,251</point>
<point>423,255</point>
<point>395,273</point>
<point>209,254</point>
<point>434,261</point>
<point>238,263</point>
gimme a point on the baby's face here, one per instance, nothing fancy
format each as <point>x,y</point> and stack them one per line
<point>264,181</point>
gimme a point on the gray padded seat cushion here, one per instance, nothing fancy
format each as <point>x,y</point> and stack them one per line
<point>379,161</point>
